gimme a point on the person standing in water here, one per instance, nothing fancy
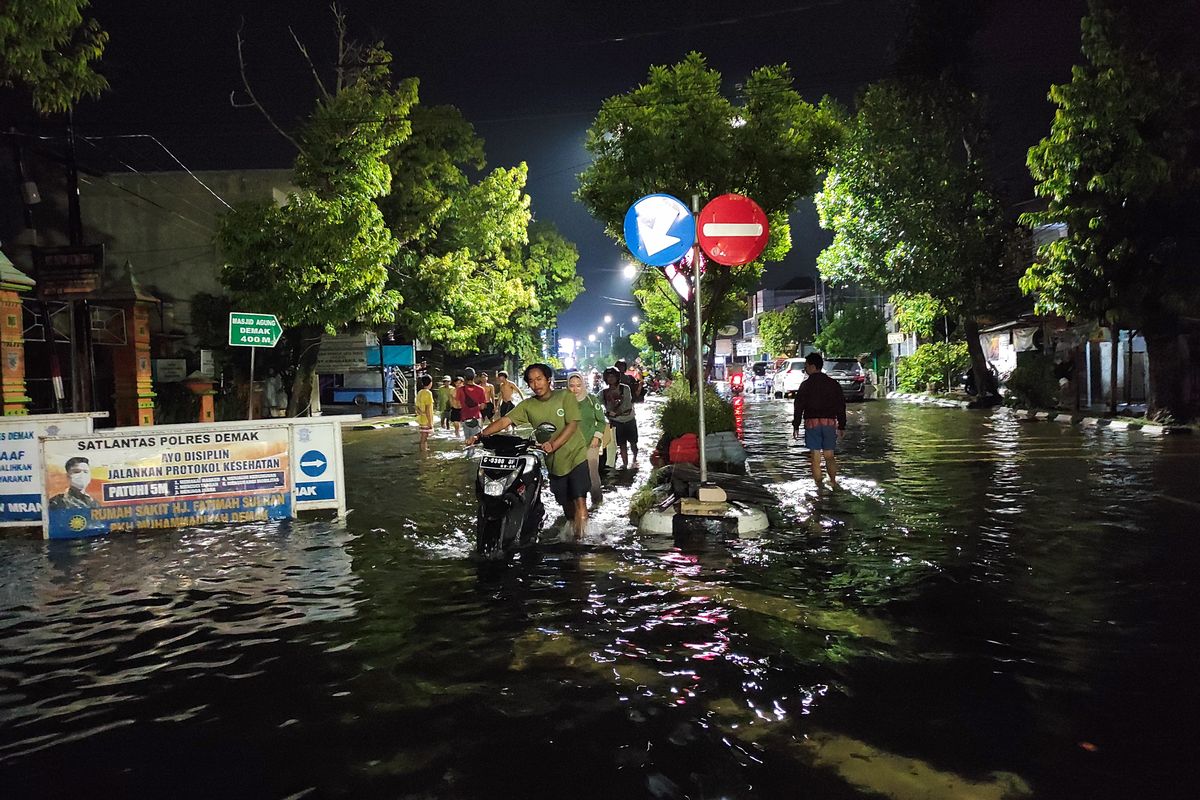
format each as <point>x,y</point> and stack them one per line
<point>425,411</point>
<point>592,426</point>
<point>618,405</point>
<point>821,407</point>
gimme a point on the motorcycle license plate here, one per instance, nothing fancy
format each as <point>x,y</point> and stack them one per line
<point>500,462</point>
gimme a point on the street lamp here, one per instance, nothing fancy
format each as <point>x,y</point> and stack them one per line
<point>607,318</point>
<point>600,329</point>
<point>591,337</point>
<point>636,319</point>
<point>630,272</point>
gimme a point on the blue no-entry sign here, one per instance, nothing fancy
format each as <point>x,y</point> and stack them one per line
<point>659,229</point>
<point>313,463</point>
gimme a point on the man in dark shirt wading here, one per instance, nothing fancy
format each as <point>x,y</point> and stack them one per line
<point>821,406</point>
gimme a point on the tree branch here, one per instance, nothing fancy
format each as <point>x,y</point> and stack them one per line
<point>311,65</point>
<point>339,21</point>
<point>250,92</point>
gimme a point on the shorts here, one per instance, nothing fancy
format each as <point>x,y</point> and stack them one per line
<point>488,410</point>
<point>425,429</point>
<point>572,486</point>
<point>626,432</point>
<point>456,415</point>
<point>506,407</point>
<point>822,437</point>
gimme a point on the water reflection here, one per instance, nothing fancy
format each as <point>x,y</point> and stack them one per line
<point>977,600</point>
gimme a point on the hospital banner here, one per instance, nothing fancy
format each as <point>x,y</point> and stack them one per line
<point>115,482</point>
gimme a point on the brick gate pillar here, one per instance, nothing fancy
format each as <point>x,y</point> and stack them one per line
<point>13,283</point>
<point>132,376</point>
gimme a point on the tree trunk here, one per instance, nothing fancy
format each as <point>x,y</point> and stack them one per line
<point>1168,378</point>
<point>1114,338</point>
<point>309,337</point>
<point>984,380</point>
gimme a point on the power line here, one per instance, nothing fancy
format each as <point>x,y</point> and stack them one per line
<point>157,205</point>
<point>174,158</point>
<point>152,180</point>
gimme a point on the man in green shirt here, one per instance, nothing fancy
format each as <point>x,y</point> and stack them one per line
<point>444,404</point>
<point>566,451</point>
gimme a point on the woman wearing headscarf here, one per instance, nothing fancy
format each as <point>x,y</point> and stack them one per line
<point>591,426</point>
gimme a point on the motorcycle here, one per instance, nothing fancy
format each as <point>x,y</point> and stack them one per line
<point>508,487</point>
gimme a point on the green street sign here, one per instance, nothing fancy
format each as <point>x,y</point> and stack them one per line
<point>253,330</point>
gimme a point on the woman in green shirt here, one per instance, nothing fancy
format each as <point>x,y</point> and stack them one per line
<point>592,427</point>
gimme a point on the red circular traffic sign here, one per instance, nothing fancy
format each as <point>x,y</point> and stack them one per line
<point>732,229</point>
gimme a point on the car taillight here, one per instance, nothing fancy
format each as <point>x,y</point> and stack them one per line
<point>737,380</point>
<point>859,378</point>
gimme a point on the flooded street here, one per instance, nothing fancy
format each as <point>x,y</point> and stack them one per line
<point>990,608</point>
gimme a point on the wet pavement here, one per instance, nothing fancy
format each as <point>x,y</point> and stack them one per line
<point>991,608</point>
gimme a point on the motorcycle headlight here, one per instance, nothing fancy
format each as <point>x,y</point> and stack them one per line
<point>494,488</point>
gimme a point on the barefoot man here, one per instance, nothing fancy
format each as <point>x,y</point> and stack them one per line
<point>566,452</point>
<point>821,406</point>
<point>507,390</point>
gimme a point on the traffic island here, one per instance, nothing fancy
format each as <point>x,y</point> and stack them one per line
<point>673,501</point>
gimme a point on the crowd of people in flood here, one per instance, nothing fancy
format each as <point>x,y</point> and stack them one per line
<point>591,427</point>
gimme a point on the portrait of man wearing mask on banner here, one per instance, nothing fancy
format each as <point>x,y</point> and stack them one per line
<point>79,473</point>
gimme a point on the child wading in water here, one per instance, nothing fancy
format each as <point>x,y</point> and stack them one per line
<point>425,412</point>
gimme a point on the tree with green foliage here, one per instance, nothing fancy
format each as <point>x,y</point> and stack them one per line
<point>48,48</point>
<point>918,313</point>
<point>473,271</point>
<point>678,133</point>
<point>784,332</point>
<point>912,206</point>
<point>854,331</point>
<point>660,310</point>
<point>320,261</point>
<point>1120,172</point>
<point>547,267</point>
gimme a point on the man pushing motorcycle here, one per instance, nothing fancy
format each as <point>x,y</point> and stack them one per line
<point>566,451</point>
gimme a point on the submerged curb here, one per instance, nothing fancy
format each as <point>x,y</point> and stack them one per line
<point>926,400</point>
<point>1061,417</point>
<point>1084,421</point>
<point>370,426</point>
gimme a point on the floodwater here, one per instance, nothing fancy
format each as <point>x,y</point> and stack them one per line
<point>990,608</point>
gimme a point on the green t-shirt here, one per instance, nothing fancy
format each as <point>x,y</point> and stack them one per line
<point>558,409</point>
<point>593,421</point>
<point>443,396</point>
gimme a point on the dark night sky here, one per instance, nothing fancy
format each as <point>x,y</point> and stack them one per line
<point>531,75</point>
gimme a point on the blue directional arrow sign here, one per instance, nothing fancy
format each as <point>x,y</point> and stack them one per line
<point>659,229</point>
<point>313,463</point>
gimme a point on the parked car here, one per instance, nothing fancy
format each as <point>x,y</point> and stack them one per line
<point>846,371</point>
<point>850,376</point>
<point>789,377</point>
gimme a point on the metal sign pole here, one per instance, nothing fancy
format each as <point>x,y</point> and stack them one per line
<point>250,402</point>
<point>699,347</point>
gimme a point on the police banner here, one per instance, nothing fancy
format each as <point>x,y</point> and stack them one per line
<point>113,482</point>
<point>21,463</point>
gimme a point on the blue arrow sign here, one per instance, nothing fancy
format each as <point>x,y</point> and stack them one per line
<point>313,463</point>
<point>659,229</point>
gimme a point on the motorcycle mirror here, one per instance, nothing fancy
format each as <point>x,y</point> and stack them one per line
<point>544,433</point>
